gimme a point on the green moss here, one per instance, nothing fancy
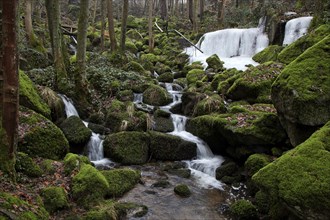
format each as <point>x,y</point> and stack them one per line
<point>300,178</point>
<point>47,166</point>
<point>105,210</point>
<point>226,169</point>
<point>73,162</point>
<point>211,104</point>
<point>194,75</point>
<point>182,190</point>
<point>26,165</point>
<point>291,52</point>
<point>25,210</point>
<point>270,53</point>
<point>166,77</point>
<point>135,67</point>
<point>132,209</point>
<point>255,162</point>
<point>220,77</point>
<point>127,147</point>
<point>215,63</point>
<point>130,46</point>
<point>40,137</point>
<point>89,186</point>
<point>125,95</point>
<point>150,57</point>
<point>243,209</point>
<point>121,181</point>
<point>156,95</point>
<point>29,96</point>
<point>54,198</point>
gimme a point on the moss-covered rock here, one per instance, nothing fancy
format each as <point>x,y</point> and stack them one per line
<point>150,57</point>
<point>47,166</point>
<point>127,147</point>
<point>182,190</point>
<point>298,181</point>
<point>243,209</point>
<point>223,76</point>
<point>195,75</point>
<point>228,168</point>
<point>166,77</point>
<point>301,94</point>
<point>29,97</point>
<point>76,132</point>
<point>211,104</point>
<point>130,210</point>
<point>291,52</point>
<point>33,59</point>
<point>74,162</point>
<point>169,147</point>
<point>130,46</point>
<point>214,63</point>
<point>105,210</point>
<point>163,124</point>
<point>16,208</point>
<point>135,67</point>
<point>255,162</point>
<point>26,165</point>
<point>55,198</point>
<point>270,53</point>
<point>162,68</point>
<point>54,102</point>
<point>190,100</point>
<point>89,186</point>
<point>40,137</point>
<point>156,95</point>
<point>121,180</point>
<point>254,84</point>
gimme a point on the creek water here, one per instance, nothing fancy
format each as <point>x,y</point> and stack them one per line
<point>295,29</point>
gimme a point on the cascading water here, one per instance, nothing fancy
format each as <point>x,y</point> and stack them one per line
<point>295,29</point>
<point>234,46</point>
<point>95,144</point>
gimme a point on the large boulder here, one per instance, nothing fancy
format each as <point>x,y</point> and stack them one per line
<point>297,183</point>
<point>54,198</point>
<point>301,94</point>
<point>169,147</point>
<point>40,137</point>
<point>270,53</point>
<point>156,95</point>
<point>25,164</point>
<point>246,129</point>
<point>127,147</point>
<point>210,104</point>
<point>33,59</point>
<point>214,62</point>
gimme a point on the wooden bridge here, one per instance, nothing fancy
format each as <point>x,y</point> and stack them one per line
<point>69,29</point>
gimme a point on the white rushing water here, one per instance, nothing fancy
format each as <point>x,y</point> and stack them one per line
<point>95,144</point>
<point>234,46</point>
<point>295,29</point>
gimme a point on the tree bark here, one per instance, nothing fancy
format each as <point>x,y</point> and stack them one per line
<point>80,74</point>
<point>221,12</point>
<point>103,23</point>
<point>163,9</point>
<point>150,18</point>
<point>124,26</point>
<point>9,63</point>
<point>112,34</point>
<point>28,21</point>
<point>201,9</point>
<point>195,12</point>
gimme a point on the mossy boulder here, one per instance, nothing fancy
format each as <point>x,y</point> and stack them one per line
<point>105,210</point>
<point>188,67</point>
<point>89,186</point>
<point>195,75</point>
<point>301,93</point>
<point>182,190</point>
<point>169,147</point>
<point>54,102</point>
<point>270,53</point>
<point>242,131</point>
<point>150,57</point>
<point>16,208</point>
<point>297,183</point>
<point>40,137</point>
<point>243,209</point>
<point>33,59</point>
<point>211,104</point>
<point>43,77</point>
<point>291,52</point>
<point>228,168</point>
<point>26,165</point>
<point>121,180</point>
<point>130,210</point>
<point>130,46</point>
<point>54,198</point>
<point>166,77</point>
<point>254,84</point>
<point>127,147</point>
<point>125,95</point>
<point>135,67</point>
<point>190,101</point>
<point>76,132</point>
<point>74,162</point>
<point>29,97</point>
<point>163,124</point>
<point>255,162</point>
<point>162,68</point>
<point>214,63</point>
<point>156,95</point>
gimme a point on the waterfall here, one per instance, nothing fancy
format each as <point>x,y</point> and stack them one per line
<point>234,46</point>
<point>295,29</point>
<point>95,144</point>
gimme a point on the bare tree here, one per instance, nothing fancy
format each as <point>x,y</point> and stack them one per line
<point>124,26</point>
<point>112,35</point>
<point>103,23</point>
<point>150,18</point>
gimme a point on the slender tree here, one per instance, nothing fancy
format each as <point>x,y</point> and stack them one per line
<point>150,18</point>
<point>163,9</point>
<point>28,21</point>
<point>103,23</point>
<point>195,12</point>
<point>80,73</point>
<point>9,87</point>
<point>112,34</point>
<point>201,9</point>
<point>124,26</point>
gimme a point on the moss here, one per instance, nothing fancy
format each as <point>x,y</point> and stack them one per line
<point>226,169</point>
<point>182,190</point>
<point>33,59</point>
<point>220,77</point>
<point>55,198</point>
<point>262,202</point>
<point>215,63</point>
<point>89,186</point>
<point>29,96</point>
<point>300,178</point>
<point>131,209</point>
<point>55,103</point>
<point>73,162</point>
<point>156,95</point>
<point>130,46</point>
<point>162,113</point>
<point>26,165</point>
<point>40,137</point>
<point>243,209</point>
<point>125,95</point>
<point>166,77</point>
<point>25,210</point>
<point>291,52</point>
<point>135,67</point>
<point>105,210</point>
<point>127,147</point>
<point>121,181</point>
<point>75,131</point>
<point>161,68</point>
<point>211,104</point>
<point>194,75</point>
<point>150,57</point>
<point>47,166</point>
<point>270,53</point>
<point>255,162</point>
<point>163,124</point>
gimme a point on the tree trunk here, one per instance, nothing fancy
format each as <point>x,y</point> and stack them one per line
<point>103,23</point>
<point>28,21</point>
<point>221,12</point>
<point>163,9</point>
<point>80,74</point>
<point>124,26</point>
<point>9,64</point>
<point>191,11</point>
<point>195,10</point>
<point>112,34</point>
<point>150,18</point>
<point>53,15</point>
<point>201,10</point>
<point>94,14</point>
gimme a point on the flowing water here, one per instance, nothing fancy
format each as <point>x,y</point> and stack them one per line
<point>295,29</point>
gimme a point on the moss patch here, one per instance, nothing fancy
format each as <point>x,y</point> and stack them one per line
<point>255,162</point>
<point>243,209</point>
<point>74,162</point>
<point>54,198</point>
<point>156,95</point>
<point>182,190</point>
<point>26,165</point>
<point>270,53</point>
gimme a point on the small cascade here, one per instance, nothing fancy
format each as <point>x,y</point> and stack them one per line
<point>295,29</point>
<point>95,144</point>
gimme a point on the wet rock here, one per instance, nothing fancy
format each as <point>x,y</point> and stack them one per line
<point>163,124</point>
<point>99,129</point>
<point>182,190</point>
<point>162,184</point>
<point>156,95</point>
<point>166,77</point>
<point>243,209</point>
<point>214,63</point>
<point>190,100</point>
